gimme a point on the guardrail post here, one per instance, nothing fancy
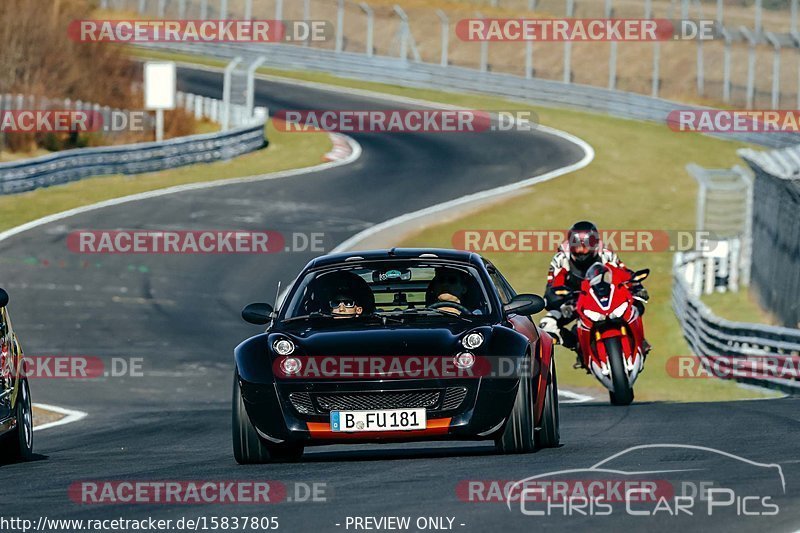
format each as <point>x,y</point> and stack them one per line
<point>278,9</point>
<point>776,69</point>
<point>684,9</point>
<point>223,9</point>
<point>248,9</point>
<point>726,67</point>
<point>528,59</point>
<point>793,15</point>
<point>306,16</point>
<point>103,4</point>
<point>612,55</point>
<point>404,30</point>
<point>226,93</point>
<point>796,42</point>
<point>751,66</point>
<point>203,9</point>
<point>370,27</point>
<point>568,46</point>
<point>251,84</point>
<point>484,58</point>
<point>531,5</point>
<point>340,26</point>
<point>701,70</point>
<point>181,9</point>
<point>648,14</point>
<point>162,8</point>
<point>445,38</point>
<point>142,7</point>
<point>720,12</point>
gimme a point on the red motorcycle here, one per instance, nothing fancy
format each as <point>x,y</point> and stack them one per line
<point>609,329</point>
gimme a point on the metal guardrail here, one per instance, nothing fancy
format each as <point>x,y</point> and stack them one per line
<point>534,91</point>
<point>735,350</point>
<point>73,165</point>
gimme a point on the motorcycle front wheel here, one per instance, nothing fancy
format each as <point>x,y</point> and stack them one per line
<point>623,392</point>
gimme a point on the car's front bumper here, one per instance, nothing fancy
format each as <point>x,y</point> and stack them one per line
<point>458,409</point>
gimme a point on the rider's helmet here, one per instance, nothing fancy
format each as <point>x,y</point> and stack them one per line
<point>584,244</point>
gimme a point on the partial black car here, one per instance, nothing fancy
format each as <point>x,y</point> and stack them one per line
<point>16,410</point>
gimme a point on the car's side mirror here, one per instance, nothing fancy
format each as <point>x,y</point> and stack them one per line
<point>640,275</point>
<point>524,304</point>
<point>257,313</point>
<point>3,298</point>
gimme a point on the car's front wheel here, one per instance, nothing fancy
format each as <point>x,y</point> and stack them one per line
<point>518,436</point>
<point>17,445</point>
<point>548,435</point>
<point>248,447</point>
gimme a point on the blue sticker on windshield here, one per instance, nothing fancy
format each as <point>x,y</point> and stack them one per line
<point>392,274</point>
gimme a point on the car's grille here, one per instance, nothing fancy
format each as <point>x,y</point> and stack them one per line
<point>453,397</point>
<point>323,403</point>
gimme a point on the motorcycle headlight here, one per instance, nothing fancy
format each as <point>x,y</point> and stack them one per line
<point>594,316</point>
<point>472,341</point>
<point>283,347</point>
<point>619,311</point>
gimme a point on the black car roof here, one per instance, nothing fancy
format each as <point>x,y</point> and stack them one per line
<point>396,253</point>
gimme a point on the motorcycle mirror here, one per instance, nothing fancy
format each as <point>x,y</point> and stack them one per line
<point>3,298</point>
<point>641,275</point>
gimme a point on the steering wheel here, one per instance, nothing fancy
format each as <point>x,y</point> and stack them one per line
<point>454,305</point>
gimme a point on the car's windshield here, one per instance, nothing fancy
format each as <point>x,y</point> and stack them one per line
<point>412,289</point>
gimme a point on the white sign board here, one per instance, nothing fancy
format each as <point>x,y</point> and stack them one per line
<point>159,85</point>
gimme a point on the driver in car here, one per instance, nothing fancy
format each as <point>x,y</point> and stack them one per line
<point>448,286</point>
<point>345,306</point>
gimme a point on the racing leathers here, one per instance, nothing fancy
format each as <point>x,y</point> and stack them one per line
<point>564,272</point>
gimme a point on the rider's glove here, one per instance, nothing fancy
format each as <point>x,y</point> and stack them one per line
<point>641,293</point>
<point>550,326</point>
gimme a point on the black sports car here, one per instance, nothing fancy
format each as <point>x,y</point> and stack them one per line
<point>16,412</point>
<point>394,345</point>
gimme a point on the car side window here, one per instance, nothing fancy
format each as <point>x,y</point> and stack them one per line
<point>502,291</point>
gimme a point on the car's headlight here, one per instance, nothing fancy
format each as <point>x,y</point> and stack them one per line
<point>283,347</point>
<point>594,316</point>
<point>472,341</point>
<point>619,311</point>
<point>291,366</point>
<point>464,360</point>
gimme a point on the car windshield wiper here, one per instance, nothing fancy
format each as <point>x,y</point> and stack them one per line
<point>315,314</point>
<point>434,312</point>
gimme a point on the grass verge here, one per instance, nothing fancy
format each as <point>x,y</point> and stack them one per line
<point>739,306</point>
<point>637,181</point>
<point>285,151</point>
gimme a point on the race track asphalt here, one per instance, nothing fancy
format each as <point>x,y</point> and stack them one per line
<point>180,315</point>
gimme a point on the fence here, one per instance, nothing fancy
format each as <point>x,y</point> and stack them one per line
<point>776,231</point>
<point>72,165</point>
<point>751,46</point>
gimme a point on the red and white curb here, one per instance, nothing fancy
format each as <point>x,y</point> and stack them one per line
<point>342,148</point>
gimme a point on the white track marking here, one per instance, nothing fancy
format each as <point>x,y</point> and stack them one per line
<point>70,416</point>
<point>356,153</point>
<point>572,397</point>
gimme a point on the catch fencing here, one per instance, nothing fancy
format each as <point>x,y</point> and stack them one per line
<point>776,231</point>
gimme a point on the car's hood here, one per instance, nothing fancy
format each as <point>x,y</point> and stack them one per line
<point>383,341</point>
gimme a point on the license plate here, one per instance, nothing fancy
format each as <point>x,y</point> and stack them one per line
<point>380,420</point>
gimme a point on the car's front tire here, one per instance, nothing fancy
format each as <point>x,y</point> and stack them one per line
<point>248,448</point>
<point>17,445</point>
<point>548,434</point>
<point>518,436</point>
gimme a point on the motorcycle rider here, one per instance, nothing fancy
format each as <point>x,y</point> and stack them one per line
<point>582,249</point>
